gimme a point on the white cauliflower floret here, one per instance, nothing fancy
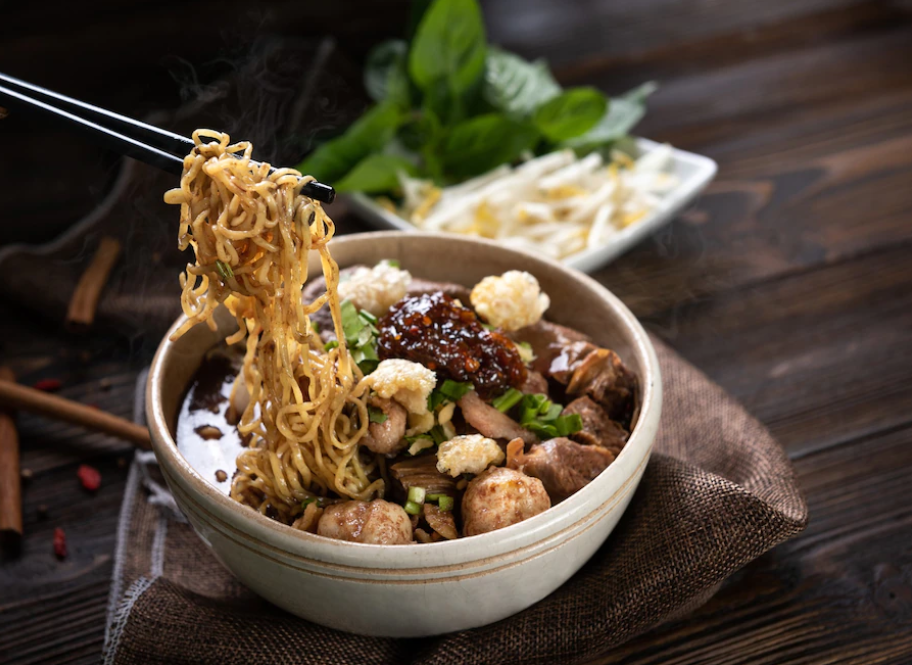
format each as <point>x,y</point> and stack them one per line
<point>512,301</point>
<point>472,453</point>
<point>375,289</point>
<point>404,381</point>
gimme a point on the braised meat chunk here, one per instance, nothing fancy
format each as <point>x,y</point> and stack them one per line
<point>564,466</point>
<point>598,428</point>
<point>424,287</point>
<point>602,376</point>
<point>554,346</point>
<point>435,331</point>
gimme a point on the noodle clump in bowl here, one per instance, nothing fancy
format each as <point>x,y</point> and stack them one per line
<point>251,231</point>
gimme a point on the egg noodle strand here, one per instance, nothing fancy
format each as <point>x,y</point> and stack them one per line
<point>251,231</point>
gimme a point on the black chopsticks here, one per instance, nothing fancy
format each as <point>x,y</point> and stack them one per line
<point>141,141</point>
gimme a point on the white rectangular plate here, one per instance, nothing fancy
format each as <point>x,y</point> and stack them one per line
<point>693,172</point>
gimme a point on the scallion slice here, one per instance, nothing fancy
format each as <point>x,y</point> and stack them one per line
<point>416,494</point>
<point>445,502</point>
<point>507,401</point>
<point>412,508</point>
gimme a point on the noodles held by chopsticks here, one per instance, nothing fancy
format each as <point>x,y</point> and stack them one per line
<point>252,231</point>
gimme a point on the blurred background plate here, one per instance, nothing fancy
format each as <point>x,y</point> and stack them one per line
<point>694,172</point>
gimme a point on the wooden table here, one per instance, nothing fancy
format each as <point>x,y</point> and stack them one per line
<point>789,283</point>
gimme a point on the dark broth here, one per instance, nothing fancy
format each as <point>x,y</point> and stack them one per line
<point>204,407</point>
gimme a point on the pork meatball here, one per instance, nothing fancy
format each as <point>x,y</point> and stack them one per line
<point>500,497</point>
<point>376,522</point>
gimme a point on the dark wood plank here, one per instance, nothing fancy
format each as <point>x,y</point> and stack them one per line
<point>802,182</point>
<point>572,31</point>
<point>820,357</point>
<point>840,592</point>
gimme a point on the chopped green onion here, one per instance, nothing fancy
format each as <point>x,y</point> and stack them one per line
<point>569,424</point>
<point>449,391</point>
<point>488,326</point>
<point>224,270</point>
<point>412,508</point>
<point>312,499</point>
<point>445,502</point>
<point>507,401</point>
<point>376,415</point>
<point>416,494</point>
<point>454,390</point>
<point>438,435</point>
<point>433,498</point>
<point>392,263</point>
<point>315,327</point>
<point>332,344</point>
<point>552,412</point>
<point>367,317</point>
<point>544,430</point>
<point>540,415</point>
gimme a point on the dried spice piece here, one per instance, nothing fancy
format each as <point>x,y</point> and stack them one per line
<point>221,476</point>
<point>48,385</point>
<point>89,477</point>
<point>60,543</point>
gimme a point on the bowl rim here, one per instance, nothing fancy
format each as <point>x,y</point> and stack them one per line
<point>421,555</point>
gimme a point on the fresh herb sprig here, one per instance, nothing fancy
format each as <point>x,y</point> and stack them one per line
<point>450,106</point>
<point>360,330</point>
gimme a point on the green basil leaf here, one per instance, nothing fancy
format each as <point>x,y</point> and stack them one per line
<point>332,160</point>
<point>516,86</point>
<point>570,114</point>
<point>484,142</point>
<point>449,46</point>
<point>386,72</point>
<point>622,116</point>
<point>375,174</point>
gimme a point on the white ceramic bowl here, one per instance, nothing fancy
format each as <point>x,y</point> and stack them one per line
<point>694,172</point>
<point>417,590</point>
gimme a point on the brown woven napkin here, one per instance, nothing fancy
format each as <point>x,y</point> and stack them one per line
<point>718,492</point>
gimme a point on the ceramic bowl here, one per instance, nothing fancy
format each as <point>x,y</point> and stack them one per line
<point>417,590</point>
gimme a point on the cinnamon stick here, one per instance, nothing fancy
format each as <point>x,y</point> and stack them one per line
<point>85,298</point>
<point>13,395</point>
<point>10,482</point>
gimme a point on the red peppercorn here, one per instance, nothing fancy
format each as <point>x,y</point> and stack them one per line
<point>48,385</point>
<point>60,545</point>
<point>89,477</point>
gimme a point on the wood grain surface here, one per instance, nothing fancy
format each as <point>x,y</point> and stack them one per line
<point>789,282</point>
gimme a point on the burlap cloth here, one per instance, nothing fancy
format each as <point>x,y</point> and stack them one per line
<point>718,492</point>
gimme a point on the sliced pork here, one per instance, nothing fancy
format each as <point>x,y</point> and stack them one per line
<point>387,438</point>
<point>491,422</point>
